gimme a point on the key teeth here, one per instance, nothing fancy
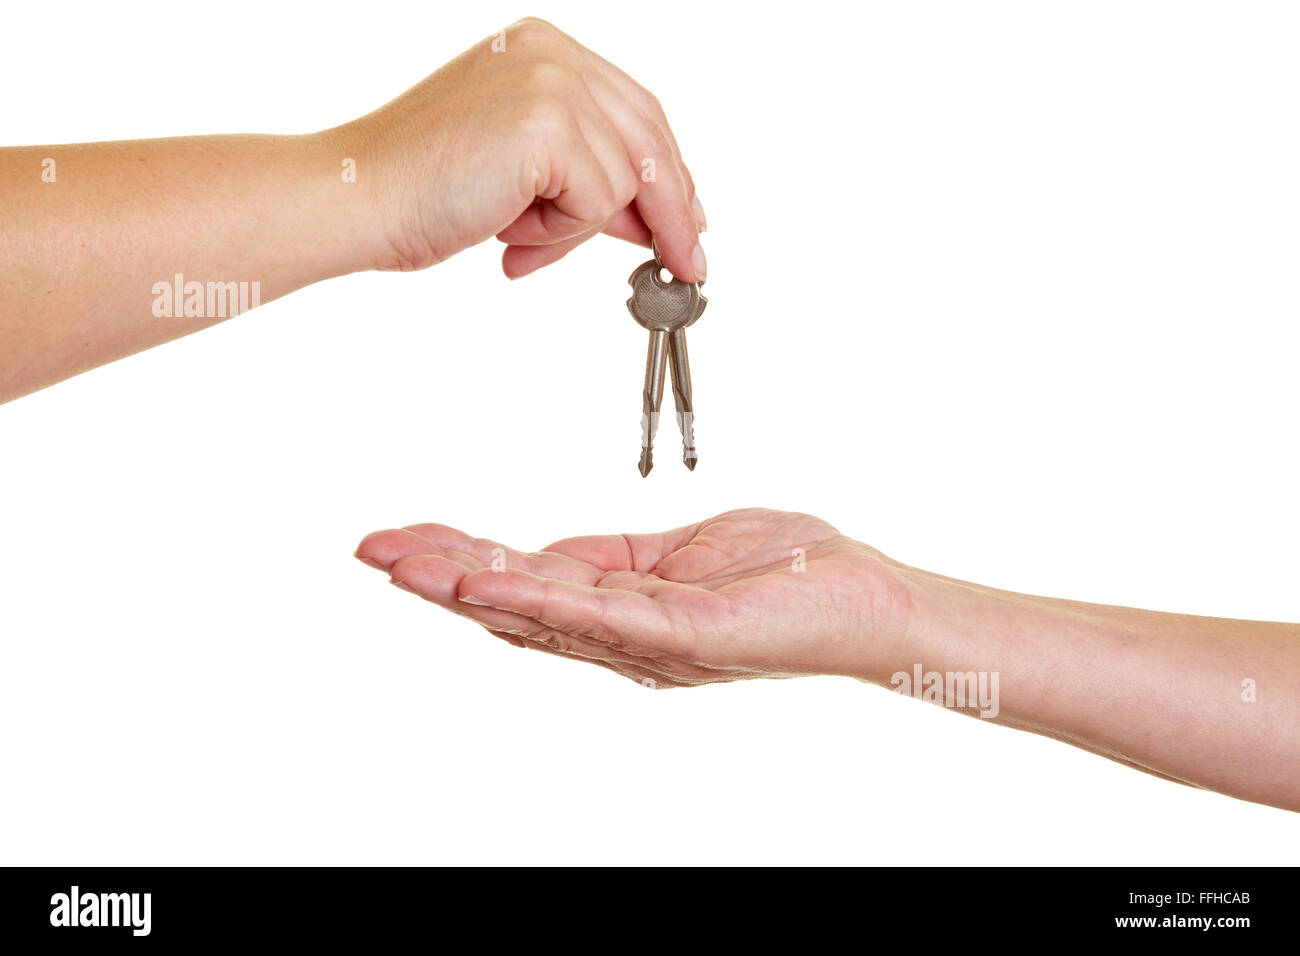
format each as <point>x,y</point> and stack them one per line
<point>686,425</point>
<point>649,426</point>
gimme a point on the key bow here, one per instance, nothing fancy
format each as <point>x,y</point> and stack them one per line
<point>663,306</point>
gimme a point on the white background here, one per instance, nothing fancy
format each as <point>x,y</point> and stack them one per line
<point>1007,290</point>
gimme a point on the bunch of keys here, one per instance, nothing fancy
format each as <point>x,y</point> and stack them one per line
<point>666,309</point>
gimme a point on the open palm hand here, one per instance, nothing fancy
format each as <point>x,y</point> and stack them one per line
<point>750,593</point>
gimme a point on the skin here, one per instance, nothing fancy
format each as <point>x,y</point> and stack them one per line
<point>542,144</point>
<point>721,601</point>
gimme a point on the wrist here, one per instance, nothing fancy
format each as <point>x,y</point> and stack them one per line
<point>919,618</point>
<point>877,609</point>
<point>337,216</point>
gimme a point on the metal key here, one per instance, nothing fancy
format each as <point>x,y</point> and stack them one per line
<point>666,309</point>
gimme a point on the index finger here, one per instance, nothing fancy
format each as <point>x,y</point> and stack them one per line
<point>663,196</point>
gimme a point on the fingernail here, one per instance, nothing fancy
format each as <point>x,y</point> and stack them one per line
<point>370,562</point>
<point>470,599</point>
<point>699,214</point>
<point>398,584</point>
<point>701,264</point>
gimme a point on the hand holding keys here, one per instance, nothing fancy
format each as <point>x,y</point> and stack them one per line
<point>666,309</point>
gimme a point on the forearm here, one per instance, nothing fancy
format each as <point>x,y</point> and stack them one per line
<point>1211,702</point>
<point>542,148</point>
<point>85,252</point>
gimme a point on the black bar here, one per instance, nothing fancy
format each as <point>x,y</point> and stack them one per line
<point>933,908</point>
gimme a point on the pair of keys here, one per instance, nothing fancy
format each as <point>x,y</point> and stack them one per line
<point>666,309</point>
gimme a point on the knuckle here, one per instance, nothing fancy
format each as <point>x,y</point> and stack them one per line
<point>554,640</point>
<point>545,117</point>
<point>625,189</point>
<point>607,203</point>
<point>656,143</point>
<point>650,103</point>
<point>534,28</point>
<point>548,80</point>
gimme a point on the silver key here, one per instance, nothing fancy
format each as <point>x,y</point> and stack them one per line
<point>666,309</point>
